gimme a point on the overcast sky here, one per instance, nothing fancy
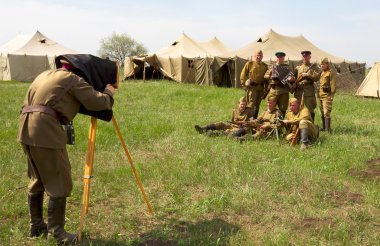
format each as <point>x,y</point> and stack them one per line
<point>345,28</point>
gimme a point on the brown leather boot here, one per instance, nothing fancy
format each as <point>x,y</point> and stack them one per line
<point>37,225</point>
<point>56,222</point>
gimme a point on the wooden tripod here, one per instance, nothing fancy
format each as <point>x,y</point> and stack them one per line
<point>88,169</point>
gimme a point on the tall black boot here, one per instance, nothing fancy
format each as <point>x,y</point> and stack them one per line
<point>312,116</point>
<point>239,133</point>
<point>255,113</point>
<point>304,139</point>
<point>328,124</point>
<point>201,130</point>
<point>56,221</point>
<point>323,123</point>
<point>37,225</point>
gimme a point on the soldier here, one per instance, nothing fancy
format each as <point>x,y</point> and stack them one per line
<point>326,93</point>
<point>54,98</point>
<point>264,124</point>
<point>279,76</point>
<point>241,114</point>
<point>253,82</point>
<point>306,74</point>
<point>300,118</point>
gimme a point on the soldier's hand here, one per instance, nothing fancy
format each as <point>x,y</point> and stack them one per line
<point>110,88</point>
<point>248,83</point>
<point>305,75</point>
<point>285,121</point>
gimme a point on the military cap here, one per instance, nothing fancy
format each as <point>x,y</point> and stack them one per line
<point>259,52</point>
<point>325,61</point>
<point>280,54</point>
<point>305,52</point>
<point>243,99</point>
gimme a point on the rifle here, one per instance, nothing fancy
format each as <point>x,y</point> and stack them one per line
<point>295,137</point>
<point>300,77</point>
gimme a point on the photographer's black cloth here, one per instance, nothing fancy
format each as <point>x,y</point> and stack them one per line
<point>97,72</point>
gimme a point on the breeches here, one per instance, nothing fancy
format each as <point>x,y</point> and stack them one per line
<point>309,101</point>
<point>254,98</point>
<point>48,170</point>
<point>325,105</point>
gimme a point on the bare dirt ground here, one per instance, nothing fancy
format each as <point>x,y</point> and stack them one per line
<point>371,172</point>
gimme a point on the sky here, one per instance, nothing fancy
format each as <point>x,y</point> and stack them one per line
<point>345,28</point>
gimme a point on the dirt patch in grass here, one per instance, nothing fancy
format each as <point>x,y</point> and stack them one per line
<point>315,223</point>
<point>371,172</point>
<point>345,197</point>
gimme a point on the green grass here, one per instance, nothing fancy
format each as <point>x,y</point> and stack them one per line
<point>204,190</point>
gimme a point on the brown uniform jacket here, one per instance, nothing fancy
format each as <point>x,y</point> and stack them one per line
<point>327,85</point>
<point>303,114</point>
<point>241,116</point>
<point>254,71</point>
<point>306,85</point>
<point>43,130</point>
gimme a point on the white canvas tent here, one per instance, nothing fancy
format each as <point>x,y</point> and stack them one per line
<point>271,42</point>
<point>181,61</point>
<point>24,57</point>
<point>370,86</point>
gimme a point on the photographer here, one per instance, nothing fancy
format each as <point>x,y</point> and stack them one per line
<point>53,100</point>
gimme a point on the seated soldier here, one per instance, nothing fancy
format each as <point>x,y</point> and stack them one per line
<point>241,114</point>
<point>263,126</point>
<point>300,118</point>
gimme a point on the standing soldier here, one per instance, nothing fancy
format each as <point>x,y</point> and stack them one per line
<point>279,76</point>
<point>306,75</point>
<point>253,82</point>
<point>326,93</point>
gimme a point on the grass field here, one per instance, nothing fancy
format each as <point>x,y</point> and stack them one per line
<point>206,190</point>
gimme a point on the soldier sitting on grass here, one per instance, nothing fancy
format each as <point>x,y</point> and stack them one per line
<point>300,118</point>
<point>241,114</point>
<point>263,126</point>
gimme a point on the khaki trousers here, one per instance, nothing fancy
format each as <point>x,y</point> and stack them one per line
<point>49,170</point>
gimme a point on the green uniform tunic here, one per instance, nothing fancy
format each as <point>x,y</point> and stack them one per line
<point>237,116</point>
<point>42,136</point>
<point>327,89</point>
<point>254,71</point>
<point>306,85</point>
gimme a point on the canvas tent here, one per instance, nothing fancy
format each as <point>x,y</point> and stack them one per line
<point>370,87</point>
<point>24,57</point>
<point>348,73</point>
<point>185,60</point>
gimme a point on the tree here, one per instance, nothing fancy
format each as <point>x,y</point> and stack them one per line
<point>119,46</point>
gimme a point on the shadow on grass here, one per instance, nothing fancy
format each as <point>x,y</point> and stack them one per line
<point>207,232</point>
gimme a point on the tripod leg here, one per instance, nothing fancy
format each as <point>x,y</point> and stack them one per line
<point>132,165</point>
<point>88,168</point>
